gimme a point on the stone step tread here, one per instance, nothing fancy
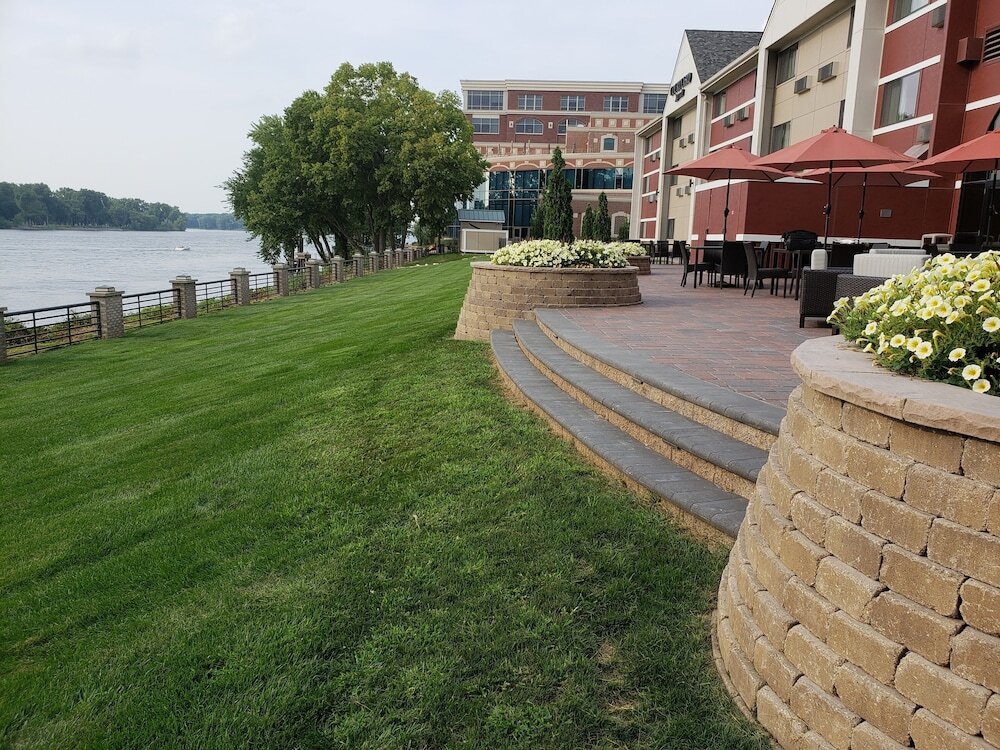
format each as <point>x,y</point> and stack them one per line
<point>696,496</point>
<point>744,409</point>
<point>692,437</point>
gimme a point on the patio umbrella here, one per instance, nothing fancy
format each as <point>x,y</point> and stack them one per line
<point>981,154</point>
<point>728,163</point>
<point>884,175</point>
<point>834,147</point>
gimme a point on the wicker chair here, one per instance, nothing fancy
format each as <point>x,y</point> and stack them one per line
<point>849,285</point>
<point>819,292</point>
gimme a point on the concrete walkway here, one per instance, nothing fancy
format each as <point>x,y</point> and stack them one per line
<point>717,335</point>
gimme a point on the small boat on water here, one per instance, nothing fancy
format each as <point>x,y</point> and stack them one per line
<point>182,247</point>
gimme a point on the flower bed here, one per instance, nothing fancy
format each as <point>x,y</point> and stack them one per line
<point>553,254</point>
<point>940,322</point>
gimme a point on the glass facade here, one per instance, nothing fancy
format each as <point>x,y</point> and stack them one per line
<point>653,104</point>
<point>616,104</point>
<point>492,100</point>
<point>489,125</point>
<point>572,103</point>
<point>899,99</point>
<point>529,101</point>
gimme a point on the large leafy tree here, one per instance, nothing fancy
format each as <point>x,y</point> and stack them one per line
<point>602,222</point>
<point>558,202</point>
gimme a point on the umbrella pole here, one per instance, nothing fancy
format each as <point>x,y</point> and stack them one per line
<point>828,209</point>
<point>991,206</point>
<point>725,213</point>
<point>861,212</point>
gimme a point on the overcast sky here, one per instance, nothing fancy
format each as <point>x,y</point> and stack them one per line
<point>154,100</point>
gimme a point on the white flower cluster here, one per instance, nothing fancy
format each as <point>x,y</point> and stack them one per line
<point>554,254</point>
<point>940,322</point>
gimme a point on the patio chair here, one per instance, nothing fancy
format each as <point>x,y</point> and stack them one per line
<point>819,292</point>
<point>800,243</point>
<point>693,267</point>
<point>854,285</point>
<point>675,251</point>
<point>756,274</point>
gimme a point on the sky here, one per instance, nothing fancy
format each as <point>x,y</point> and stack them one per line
<point>154,100</point>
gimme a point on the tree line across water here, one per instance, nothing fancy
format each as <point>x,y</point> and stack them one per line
<point>35,205</point>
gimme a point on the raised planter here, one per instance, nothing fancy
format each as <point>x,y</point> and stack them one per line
<point>861,603</point>
<point>498,295</point>
<point>642,262</point>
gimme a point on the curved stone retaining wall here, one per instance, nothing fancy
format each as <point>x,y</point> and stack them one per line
<point>861,604</point>
<point>498,295</point>
<point>643,263</point>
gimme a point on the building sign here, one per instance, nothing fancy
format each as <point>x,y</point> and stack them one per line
<point>677,90</point>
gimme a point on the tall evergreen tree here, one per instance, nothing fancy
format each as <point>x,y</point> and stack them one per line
<point>587,225</point>
<point>537,227</point>
<point>623,230</point>
<point>603,220</point>
<point>558,202</point>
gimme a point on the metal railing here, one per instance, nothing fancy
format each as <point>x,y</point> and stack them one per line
<point>43,328</point>
<point>298,279</point>
<point>150,308</point>
<point>262,286</point>
<point>214,295</point>
<point>326,274</point>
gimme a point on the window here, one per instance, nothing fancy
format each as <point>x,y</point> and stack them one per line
<point>616,104</point>
<point>850,29</point>
<point>529,126</point>
<point>572,103</point>
<point>843,109</point>
<point>484,100</point>
<point>490,125</point>
<point>903,8</point>
<point>529,101</point>
<point>653,104</point>
<point>786,63</point>
<point>570,122</point>
<point>675,128</point>
<point>899,99</point>
<point>719,104</point>
<point>670,228</point>
<point>779,136</point>
<point>609,143</point>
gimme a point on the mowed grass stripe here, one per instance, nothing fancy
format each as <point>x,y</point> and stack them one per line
<point>317,522</point>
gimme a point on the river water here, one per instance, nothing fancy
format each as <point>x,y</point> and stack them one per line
<point>46,268</point>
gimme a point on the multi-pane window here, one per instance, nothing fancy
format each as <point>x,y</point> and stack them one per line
<point>609,143</point>
<point>572,103</point>
<point>779,136</point>
<point>902,8</point>
<point>529,126</point>
<point>529,101</point>
<point>490,125</point>
<point>653,104</point>
<point>616,104</point>
<point>492,100</point>
<point>570,122</point>
<point>719,104</point>
<point>786,63</point>
<point>899,99</point>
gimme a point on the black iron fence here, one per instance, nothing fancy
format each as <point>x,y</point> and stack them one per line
<point>298,279</point>
<point>214,295</point>
<point>326,274</point>
<point>262,286</point>
<point>33,331</point>
<point>150,308</point>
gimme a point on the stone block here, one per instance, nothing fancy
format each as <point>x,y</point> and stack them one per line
<point>801,555</point>
<point>775,669</point>
<point>744,628</point>
<point>746,582</point>
<point>895,521</point>
<point>942,494</point>
<point>867,737</point>
<point>772,619</point>
<point>981,606</point>
<point>993,516</point>
<point>864,646</point>
<point>814,741</point>
<point>771,572</point>
<point>942,450</point>
<point>780,487</point>
<point>824,713</point>
<point>882,706</point>
<point>981,461</point>
<point>921,630</point>
<point>840,494</point>
<point>921,580</point>
<point>808,607</point>
<point>853,545</point>
<point>744,677</point>
<point>830,447</point>
<point>778,719</point>
<point>877,468</point>
<point>810,517</point>
<point>976,657</point>
<point>847,588</point>
<point>948,696</point>
<point>812,657</point>
<point>970,552</point>
<point>866,425</point>
<point>991,721</point>
<point>825,407</point>
<point>803,470</point>
<point>801,422</point>
<point>773,525</point>
<point>931,733</point>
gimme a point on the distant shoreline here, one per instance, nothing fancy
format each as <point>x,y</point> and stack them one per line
<point>67,228</point>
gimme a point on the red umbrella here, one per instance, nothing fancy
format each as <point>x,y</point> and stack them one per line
<point>981,154</point>
<point>884,175</point>
<point>727,164</point>
<point>834,147</point>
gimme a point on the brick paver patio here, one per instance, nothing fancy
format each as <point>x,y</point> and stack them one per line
<point>717,335</point>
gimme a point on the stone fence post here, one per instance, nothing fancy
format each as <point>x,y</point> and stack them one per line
<point>3,337</point>
<point>399,257</point>
<point>359,264</point>
<point>187,299</point>
<point>281,278</point>
<point>338,269</point>
<point>373,259</point>
<point>241,284</point>
<point>312,273</point>
<point>387,259</point>
<point>109,311</point>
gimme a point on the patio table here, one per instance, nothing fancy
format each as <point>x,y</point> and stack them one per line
<point>728,259</point>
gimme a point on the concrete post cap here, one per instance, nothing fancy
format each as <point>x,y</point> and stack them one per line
<point>238,271</point>
<point>104,291</point>
<point>280,266</point>
<point>182,279</point>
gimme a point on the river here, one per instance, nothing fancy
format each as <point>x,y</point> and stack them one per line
<point>40,268</point>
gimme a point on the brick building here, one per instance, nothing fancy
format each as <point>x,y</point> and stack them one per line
<point>517,125</point>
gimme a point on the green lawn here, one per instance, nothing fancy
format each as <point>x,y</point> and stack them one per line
<point>316,522</point>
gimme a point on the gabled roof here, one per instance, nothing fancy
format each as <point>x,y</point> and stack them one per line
<point>714,50</point>
<point>481,214</point>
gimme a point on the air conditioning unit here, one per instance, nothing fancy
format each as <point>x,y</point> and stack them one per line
<point>687,190</point>
<point>937,17</point>
<point>682,143</point>
<point>970,50</point>
<point>680,192</point>
<point>727,121</point>
<point>802,85</point>
<point>743,114</point>
<point>827,72</point>
<point>691,138</point>
<point>652,199</point>
<point>655,157</point>
<point>924,132</point>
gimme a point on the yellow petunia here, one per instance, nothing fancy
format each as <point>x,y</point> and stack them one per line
<point>981,386</point>
<point>956,354</point>
<point>972,372</point>
<point>991,324</point>
<point>924,350</point>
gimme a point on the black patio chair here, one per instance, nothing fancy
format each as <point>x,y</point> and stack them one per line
<point>693,267</point>
<point>756,274</point>
<point>800,243</point>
